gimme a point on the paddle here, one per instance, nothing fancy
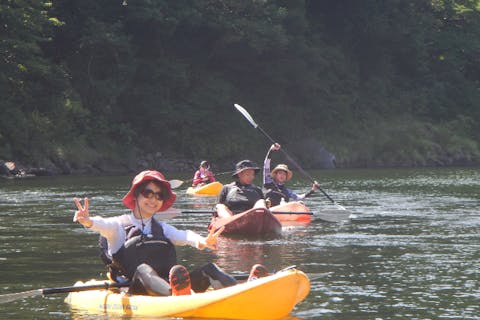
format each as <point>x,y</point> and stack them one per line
<point>167,214</point>
<point>175,183</point>
<point>9,297</point>
<point>179,182</point>
<point>222,173</point>
<point>275,212</point>
<point>256,126</point>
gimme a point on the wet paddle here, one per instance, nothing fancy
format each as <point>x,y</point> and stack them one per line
<point>256,126</point>
<point>275,212</point>
<point>175,183</point>
<point>170,213</point>
<point>9,297</point>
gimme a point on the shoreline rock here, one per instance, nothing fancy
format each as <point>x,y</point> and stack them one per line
<point>17,170</point>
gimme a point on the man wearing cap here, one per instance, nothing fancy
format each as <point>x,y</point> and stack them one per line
<point>240,195</point>
<point>203,175</point>
<point>138,248</point>
<point>274,187</point>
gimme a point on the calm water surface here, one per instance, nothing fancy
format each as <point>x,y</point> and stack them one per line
<point>412,252</point>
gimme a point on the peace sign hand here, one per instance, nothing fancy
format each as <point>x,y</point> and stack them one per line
<point>211,239</point>
<point>82,215</point>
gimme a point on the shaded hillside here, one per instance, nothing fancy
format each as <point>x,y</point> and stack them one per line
<point>375,83</point>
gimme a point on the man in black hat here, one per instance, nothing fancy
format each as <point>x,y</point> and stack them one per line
<point>240,195</point>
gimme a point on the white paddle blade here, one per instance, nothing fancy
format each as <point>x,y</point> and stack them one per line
<point>246,115</point>
<point>175,183</point>
<point>9,297</point>
<point>333,215</point>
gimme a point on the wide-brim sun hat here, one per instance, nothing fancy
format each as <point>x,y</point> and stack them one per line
<point>282,167</point>
<point>150,175</point>
<point>245,165</point>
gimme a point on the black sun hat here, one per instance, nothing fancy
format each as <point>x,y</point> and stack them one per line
<point>245,165</point>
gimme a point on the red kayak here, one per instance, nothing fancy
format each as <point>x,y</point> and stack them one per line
<point>256,221</point>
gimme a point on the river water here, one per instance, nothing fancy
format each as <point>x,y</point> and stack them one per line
<point>412,252</point>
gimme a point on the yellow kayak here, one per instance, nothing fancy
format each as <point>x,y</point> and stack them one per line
<point>271,297</point>
<point>211,189</point>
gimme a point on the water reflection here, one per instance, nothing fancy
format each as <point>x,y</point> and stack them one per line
<point>235,254</point>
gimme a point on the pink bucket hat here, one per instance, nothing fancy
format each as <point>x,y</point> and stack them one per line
<point>149,175</point>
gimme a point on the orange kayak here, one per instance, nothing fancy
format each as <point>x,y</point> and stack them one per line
<point>292,212</point>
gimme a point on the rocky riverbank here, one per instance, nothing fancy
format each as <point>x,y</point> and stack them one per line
<point>17,170</point>
<point>321,159</point>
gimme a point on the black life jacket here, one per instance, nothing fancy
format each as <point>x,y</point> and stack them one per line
<point>239,198</point>
<point>275,193</point>
<point>155,250</point>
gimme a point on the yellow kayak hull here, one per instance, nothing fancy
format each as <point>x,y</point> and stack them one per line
<point>271,297</point>
<point>211,189</point>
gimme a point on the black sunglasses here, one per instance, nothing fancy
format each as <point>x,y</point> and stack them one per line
<point>149,194</point>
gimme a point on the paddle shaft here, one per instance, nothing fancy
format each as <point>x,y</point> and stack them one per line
<point>304,173</point>
<point>105,285</point>
<point>255,125</point>
<point>9,297</point>
<point>220,173</point>
<point>38,292</point>
<point>175,183</point>
<point>274,212</point>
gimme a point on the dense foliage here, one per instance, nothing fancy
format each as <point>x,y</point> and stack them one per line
<point>89,82</point>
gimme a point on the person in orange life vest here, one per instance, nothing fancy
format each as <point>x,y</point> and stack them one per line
<point>203,175</point>
<point>242,194</point>
<point>138,248</point>
<point>274,187</point>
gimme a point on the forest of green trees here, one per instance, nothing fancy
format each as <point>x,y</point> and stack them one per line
<point>106,82</point>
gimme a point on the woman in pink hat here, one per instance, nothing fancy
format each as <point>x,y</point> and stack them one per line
<point>138,248</point>
<point>203,175</point>
<point>274,187</point>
